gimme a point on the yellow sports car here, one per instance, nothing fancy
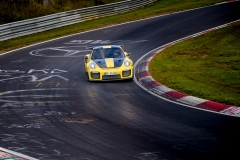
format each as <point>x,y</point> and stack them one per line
<point>106,63</point>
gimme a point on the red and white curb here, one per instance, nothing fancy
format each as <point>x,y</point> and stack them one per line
<point>144,79</point>
<point>6,154</point>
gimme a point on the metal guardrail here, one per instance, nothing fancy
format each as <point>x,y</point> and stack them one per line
<point>34,25</point>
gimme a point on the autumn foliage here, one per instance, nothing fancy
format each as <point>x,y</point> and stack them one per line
<point>16,10</point>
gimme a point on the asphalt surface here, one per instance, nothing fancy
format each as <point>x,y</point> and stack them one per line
<point>49,111</point>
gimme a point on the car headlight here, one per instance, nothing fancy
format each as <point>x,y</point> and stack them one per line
<point>127,63</point>
<point>92,65</point>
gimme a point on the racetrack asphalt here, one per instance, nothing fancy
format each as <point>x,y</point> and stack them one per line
<point>48,109</point>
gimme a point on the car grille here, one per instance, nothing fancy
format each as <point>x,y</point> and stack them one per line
<point>126,73</point>
<point>95,75</point>
<point>107,77</point>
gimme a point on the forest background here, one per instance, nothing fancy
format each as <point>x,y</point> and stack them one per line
<point>16,10</point>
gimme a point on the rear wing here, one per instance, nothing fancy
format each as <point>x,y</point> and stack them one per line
<point>115,45</point>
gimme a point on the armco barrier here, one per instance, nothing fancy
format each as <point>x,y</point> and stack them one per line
<point>30,26</point>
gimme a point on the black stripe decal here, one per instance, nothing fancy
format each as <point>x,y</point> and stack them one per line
<point>118,62</point>
<point>100,62</point>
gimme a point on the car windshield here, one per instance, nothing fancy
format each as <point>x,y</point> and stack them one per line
<point>102,53</point>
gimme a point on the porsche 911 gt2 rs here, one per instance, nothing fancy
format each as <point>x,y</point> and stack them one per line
<point>106,63</point>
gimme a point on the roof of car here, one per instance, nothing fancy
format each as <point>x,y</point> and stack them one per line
<point>104,46</point>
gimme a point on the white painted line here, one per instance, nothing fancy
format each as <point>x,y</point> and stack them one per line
<point>108,27</point>
<point>147,60</point>
<point>158,50</point>
<point>188,101</point>
<point>175,102</point>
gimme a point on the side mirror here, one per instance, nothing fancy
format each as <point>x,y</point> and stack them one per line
<point>129,54</point>
<point>86,58</point>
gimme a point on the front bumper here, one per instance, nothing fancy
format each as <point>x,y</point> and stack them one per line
<point>110,75</point>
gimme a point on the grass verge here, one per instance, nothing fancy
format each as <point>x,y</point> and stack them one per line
<point>158,8</point>
<point>207,66</point>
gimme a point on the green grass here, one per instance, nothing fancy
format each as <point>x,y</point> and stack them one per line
<point>158,8</point>
<point>207,66</point>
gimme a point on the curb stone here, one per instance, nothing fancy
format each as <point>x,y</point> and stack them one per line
<point>144,78</point>
<point>6,154</point>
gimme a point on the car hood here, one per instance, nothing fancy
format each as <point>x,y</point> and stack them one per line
<point>109,62</point>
